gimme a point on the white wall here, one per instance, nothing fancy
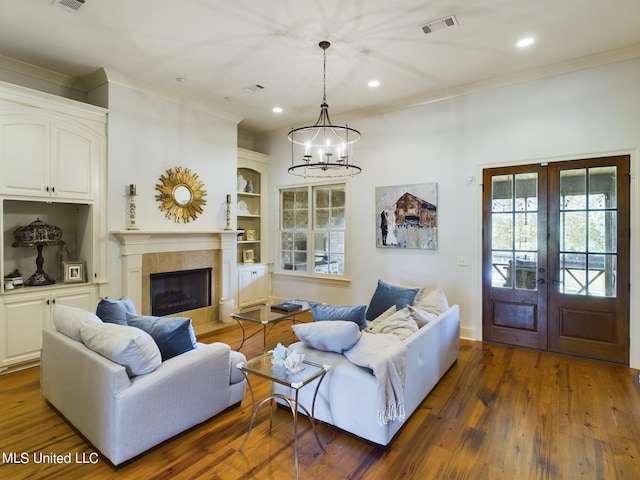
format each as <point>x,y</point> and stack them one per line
<point>576,115</point>
<point>147,136</point>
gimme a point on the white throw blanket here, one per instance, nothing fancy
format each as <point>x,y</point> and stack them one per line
<point>386,355</point>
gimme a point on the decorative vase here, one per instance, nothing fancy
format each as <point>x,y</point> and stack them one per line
<point>242,183</point>
<point>250,187</point>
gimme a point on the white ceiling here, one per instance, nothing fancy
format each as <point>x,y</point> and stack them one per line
<point>222,46</point>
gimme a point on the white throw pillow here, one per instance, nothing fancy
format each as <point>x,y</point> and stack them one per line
<point>383,316</point>
<point>421,317</point>
<point>432,305</point>
<point>130,347</point>
<point>334,336</point>
<point>68,320</point>
<point>400,324</point>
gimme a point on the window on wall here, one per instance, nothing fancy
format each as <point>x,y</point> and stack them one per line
<point>313,225</point>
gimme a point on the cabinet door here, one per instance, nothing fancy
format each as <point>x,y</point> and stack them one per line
<point>22,320</point>
<point>23,316</point>
<point>24,156</point>
<point>261,283</point>
<point>48,158</point>
<point>245,287</point>
<point>74,161</point>
<point>82,297</point>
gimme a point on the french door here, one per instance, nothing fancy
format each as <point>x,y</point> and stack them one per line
<point>556,257</point>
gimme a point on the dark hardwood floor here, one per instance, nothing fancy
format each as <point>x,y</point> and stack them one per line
<point>499,413</point>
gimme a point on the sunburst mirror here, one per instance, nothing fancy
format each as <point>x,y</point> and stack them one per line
<point>181,194</point>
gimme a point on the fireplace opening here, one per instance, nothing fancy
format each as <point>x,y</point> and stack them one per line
<point>174,292</point>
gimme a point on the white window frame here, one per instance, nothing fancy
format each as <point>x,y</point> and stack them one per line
<point>310,270</point>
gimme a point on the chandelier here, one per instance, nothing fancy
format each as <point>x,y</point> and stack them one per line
<point>323,150</point>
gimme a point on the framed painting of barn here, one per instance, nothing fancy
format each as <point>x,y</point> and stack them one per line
<point>407,216</point>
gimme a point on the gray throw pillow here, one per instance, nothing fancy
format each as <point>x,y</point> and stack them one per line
<point>387,295</point>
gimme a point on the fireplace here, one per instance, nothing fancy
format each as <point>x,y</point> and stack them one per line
<point>145,253</point>
<point>175,292</point>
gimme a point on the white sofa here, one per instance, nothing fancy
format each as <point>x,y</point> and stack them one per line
<point>347,397</point>
<point>123,415</point>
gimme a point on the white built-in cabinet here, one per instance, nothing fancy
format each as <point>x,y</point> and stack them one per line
<point>251,216</point>
<point>25,315</point>
<point>253,284</point>
<point>52,168</point>
<point>45,156</point>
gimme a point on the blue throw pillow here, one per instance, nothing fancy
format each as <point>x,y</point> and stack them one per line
<point>387,295</point>
<point>321,311</point>
<point>112,310</point>
<point>173,335</point>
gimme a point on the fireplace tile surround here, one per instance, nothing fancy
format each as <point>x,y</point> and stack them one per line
<point>147,252</point>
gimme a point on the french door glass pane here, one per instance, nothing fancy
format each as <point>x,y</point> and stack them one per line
<point>573,189</point>
<point>502,193</point>
<point>526,237</point>
<point>602,232</point>
<point>573,273</point>
<point>502,231</point>
<point>602,184</point>
<point>526,270</point>
<point>573,228</point>
<point>501,269</point>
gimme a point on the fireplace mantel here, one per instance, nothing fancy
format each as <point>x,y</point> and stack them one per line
<point>136,243</point>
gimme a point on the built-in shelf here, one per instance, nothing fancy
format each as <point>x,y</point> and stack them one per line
<point>253,276</point>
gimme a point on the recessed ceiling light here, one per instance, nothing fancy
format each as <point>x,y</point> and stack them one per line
<point>181,80</point>
<point>374,83</point>
<point>525,42</point>
<point>277,109</point>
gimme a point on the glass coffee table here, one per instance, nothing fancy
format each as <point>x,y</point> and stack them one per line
<point>266,317</point>
<point>262,367</point>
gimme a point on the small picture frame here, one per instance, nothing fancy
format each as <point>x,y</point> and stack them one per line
<point>251,235</point>
<point>248,256</point>
<point>74,272</point>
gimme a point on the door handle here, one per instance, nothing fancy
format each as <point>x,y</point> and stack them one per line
<point>541,281</point>
<point>556,282</point>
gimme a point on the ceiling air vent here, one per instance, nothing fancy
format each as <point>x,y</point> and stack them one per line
<point>446,22</point>
<point>69,5</point>
<point>253,88</point>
